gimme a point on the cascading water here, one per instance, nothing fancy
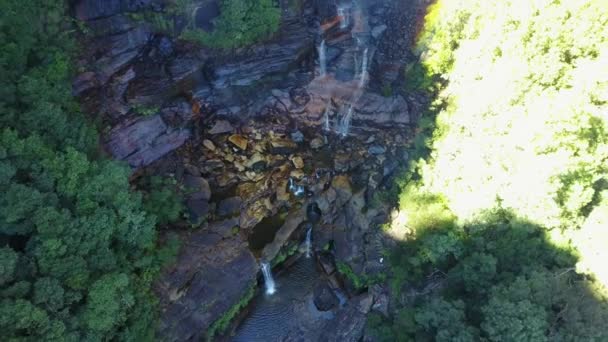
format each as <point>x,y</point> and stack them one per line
<point>322,59</point>
<point>326,126</point>
<point>308,242</point>
<point>364,65</point>
<point>296,189</point>
<point>343,13</point>
<point>344,124</point>
<point>268,280</point>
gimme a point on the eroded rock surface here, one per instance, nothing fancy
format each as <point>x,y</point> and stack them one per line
<point>211,275</point>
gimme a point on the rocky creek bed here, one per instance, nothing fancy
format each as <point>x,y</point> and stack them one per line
<point>263,142</point>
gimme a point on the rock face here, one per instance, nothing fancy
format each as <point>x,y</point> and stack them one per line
<point>211,275</point>
<point>144,140</point>
<point>275,58</point>
<point>349,324</point>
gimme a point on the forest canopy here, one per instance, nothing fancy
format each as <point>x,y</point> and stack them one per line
<point>504,218</point>
<point>78,252</point>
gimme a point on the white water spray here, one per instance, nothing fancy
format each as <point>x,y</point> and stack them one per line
<point>343,13</point>
<point>326,126</point>
<point>308,242</point>
<point>322,59</point>
<point>344,124</point>
<point>268,280</point>
<point>364,66</point>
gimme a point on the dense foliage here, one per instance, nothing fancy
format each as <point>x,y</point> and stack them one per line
<point>76,246</point>
<point>505,219</point>
<point>241,23</point>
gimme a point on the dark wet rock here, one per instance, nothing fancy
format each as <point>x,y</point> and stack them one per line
<point>381,300</point>
<point>327,263</point>
<point>376,149</point>
<point>325,9</point>
<point>317,143</point>
<point>342,162</point>
<point>198,210</point>
<point>178,113</point>
<point>343,188</point>
<point>150,87</point>
<point>198,187</point>
<point>297,136</point>
<point>210,276</point>
<point>229,207</point>
<point>282,146</point>
<point>382,110</point>
<point>91,9</point>
<point>350,322</point>
<point>165,46</point>
<point>205,13</point>
<point>144,140</point>
<point>390,165</point>
<point>284,234</point>
<point>220,127</point>
<point>299,96</point>
<point>110,26</point>
<point>83,83</point>
<point>276,57</point>
<point>118,50</point>
<point>313,213</point>
<point>324,298</point>
<point>224,228</point>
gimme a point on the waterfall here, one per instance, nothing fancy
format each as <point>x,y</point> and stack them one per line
<point>344,124</point>
<point>326,126</point>
<point>364,63</point>
<point>268,280</point>
<point>308,242</point>
<point>296,189</point>
<point>322,59</point>
<point>344,17</point>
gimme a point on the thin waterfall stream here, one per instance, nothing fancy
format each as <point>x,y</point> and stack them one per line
<point>322,59</point>
<point>268,279</point>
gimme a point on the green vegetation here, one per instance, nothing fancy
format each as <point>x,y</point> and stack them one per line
<point>223,322</point>
<point>146,110</point>
<point>165,199</point>
<point>241,22</point>
<point>78,252</point>
<point>285,253</point>
<point>359,281</point>
<point>503,214</point>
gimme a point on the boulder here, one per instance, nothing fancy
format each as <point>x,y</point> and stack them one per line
<point>198,187</point>
<point>229,207</point>
<point>221,127</point>
<point>239,141</point>
<point>324,298</point>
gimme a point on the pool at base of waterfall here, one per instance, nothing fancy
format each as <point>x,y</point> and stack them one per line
<point>290,311</point>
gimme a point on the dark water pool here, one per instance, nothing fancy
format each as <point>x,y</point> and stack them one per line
<point>290,311</point>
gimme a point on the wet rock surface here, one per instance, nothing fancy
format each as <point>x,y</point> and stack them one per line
<point>260,138</point>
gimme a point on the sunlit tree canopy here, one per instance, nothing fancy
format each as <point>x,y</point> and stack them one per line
<point>505,213</point>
